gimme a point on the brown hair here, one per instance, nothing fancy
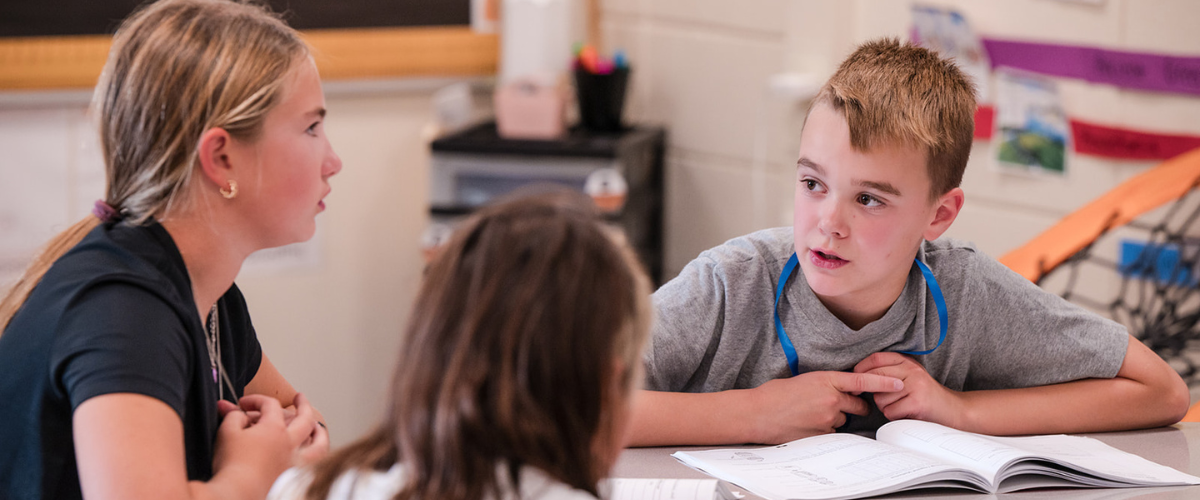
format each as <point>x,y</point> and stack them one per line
<point>176,69</point>
<point>509,359</point>
<point>901,94</point>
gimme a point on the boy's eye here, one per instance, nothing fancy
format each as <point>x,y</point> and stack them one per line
<point>811,185</point>
<point>867,200</point>
<point>312,129</point>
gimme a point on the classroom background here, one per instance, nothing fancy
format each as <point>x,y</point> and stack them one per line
<point>725,79</point>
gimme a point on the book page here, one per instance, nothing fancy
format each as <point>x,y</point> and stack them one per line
<point>1095,457</point>
<point>667,489</point>
<point>824,467</point>
<point>972,451</point>
<point>1099,463</point>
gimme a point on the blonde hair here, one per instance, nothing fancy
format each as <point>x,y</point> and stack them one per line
<point>901,94</point>
<point>176,69</point>
<point>508,359</point>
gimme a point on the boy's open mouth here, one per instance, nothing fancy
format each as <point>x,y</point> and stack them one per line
<point>827,260</point>
<point>827,256</point>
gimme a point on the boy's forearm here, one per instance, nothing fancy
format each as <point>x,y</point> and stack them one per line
<point>1093,405</point>
<point>1145,393</point>
<point>674,418</point>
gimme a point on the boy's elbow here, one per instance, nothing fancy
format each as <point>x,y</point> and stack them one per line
<point>1177,399</point>
<point>1163,397</point>
<point>1167,401</point>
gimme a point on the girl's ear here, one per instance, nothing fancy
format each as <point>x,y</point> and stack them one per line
<point>213,152</point>
<point>948,206</point>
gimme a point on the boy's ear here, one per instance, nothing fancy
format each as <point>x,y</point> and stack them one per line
<point>213,152</point>
<point>947,207</point>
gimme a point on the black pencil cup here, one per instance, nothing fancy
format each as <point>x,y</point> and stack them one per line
<point>601,98</point>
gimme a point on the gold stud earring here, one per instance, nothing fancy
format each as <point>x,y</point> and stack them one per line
<point>232,190</point>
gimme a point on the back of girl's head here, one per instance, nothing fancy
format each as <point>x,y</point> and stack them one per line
<point>176,69</point>
<point>524,344</point>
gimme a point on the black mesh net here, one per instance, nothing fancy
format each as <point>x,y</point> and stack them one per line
<point>1144,275</point>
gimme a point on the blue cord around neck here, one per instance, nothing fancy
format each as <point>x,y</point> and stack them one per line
<point>790,351</point>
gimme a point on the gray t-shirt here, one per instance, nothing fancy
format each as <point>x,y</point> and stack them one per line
<point>715,328</point>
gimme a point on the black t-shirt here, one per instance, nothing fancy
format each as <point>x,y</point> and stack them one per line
<point>113,315</point>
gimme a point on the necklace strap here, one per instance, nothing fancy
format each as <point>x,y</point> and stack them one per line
<point>788,350</point>
<point>939,301</point>
<point>213,336</point>
<point>786,343</point>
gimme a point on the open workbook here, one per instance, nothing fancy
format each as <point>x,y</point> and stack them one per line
<point>910,454</point>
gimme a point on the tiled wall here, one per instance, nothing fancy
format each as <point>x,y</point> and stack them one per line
<point>50,155</point>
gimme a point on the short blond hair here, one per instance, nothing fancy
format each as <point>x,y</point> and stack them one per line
<point>901,94</point>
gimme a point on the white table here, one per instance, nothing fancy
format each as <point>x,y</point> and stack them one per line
<point>1176,446</point>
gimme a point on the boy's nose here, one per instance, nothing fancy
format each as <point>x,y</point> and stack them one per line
<point>831,222</point>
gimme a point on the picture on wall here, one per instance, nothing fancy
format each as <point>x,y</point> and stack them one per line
<point>1032,127</point>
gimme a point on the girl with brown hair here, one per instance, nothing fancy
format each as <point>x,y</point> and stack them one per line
<point>126,344</point>
<point>516,371</point>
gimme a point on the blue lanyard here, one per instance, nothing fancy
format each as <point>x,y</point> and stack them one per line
<point>790,350</point>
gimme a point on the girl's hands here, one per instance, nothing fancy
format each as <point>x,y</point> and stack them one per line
<point>309,440</point>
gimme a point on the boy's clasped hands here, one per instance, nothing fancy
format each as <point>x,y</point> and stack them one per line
<point>818,402</point>
<point>921,397</point>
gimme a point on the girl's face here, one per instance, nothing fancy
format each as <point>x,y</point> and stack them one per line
<point>294,163</point>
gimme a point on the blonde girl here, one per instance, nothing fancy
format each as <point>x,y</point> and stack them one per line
<point>126,344</point>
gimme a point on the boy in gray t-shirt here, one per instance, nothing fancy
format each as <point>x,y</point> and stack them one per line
<point>792,332</point>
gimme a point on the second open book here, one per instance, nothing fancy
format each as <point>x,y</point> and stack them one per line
<point>910,454</point>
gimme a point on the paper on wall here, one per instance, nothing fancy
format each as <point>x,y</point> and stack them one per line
<point>947,32</point>
<point>1032,127</point>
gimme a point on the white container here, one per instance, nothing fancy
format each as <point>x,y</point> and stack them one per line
<point>535,38</point>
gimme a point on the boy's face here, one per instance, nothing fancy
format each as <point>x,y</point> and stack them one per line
<point>859,217</point>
